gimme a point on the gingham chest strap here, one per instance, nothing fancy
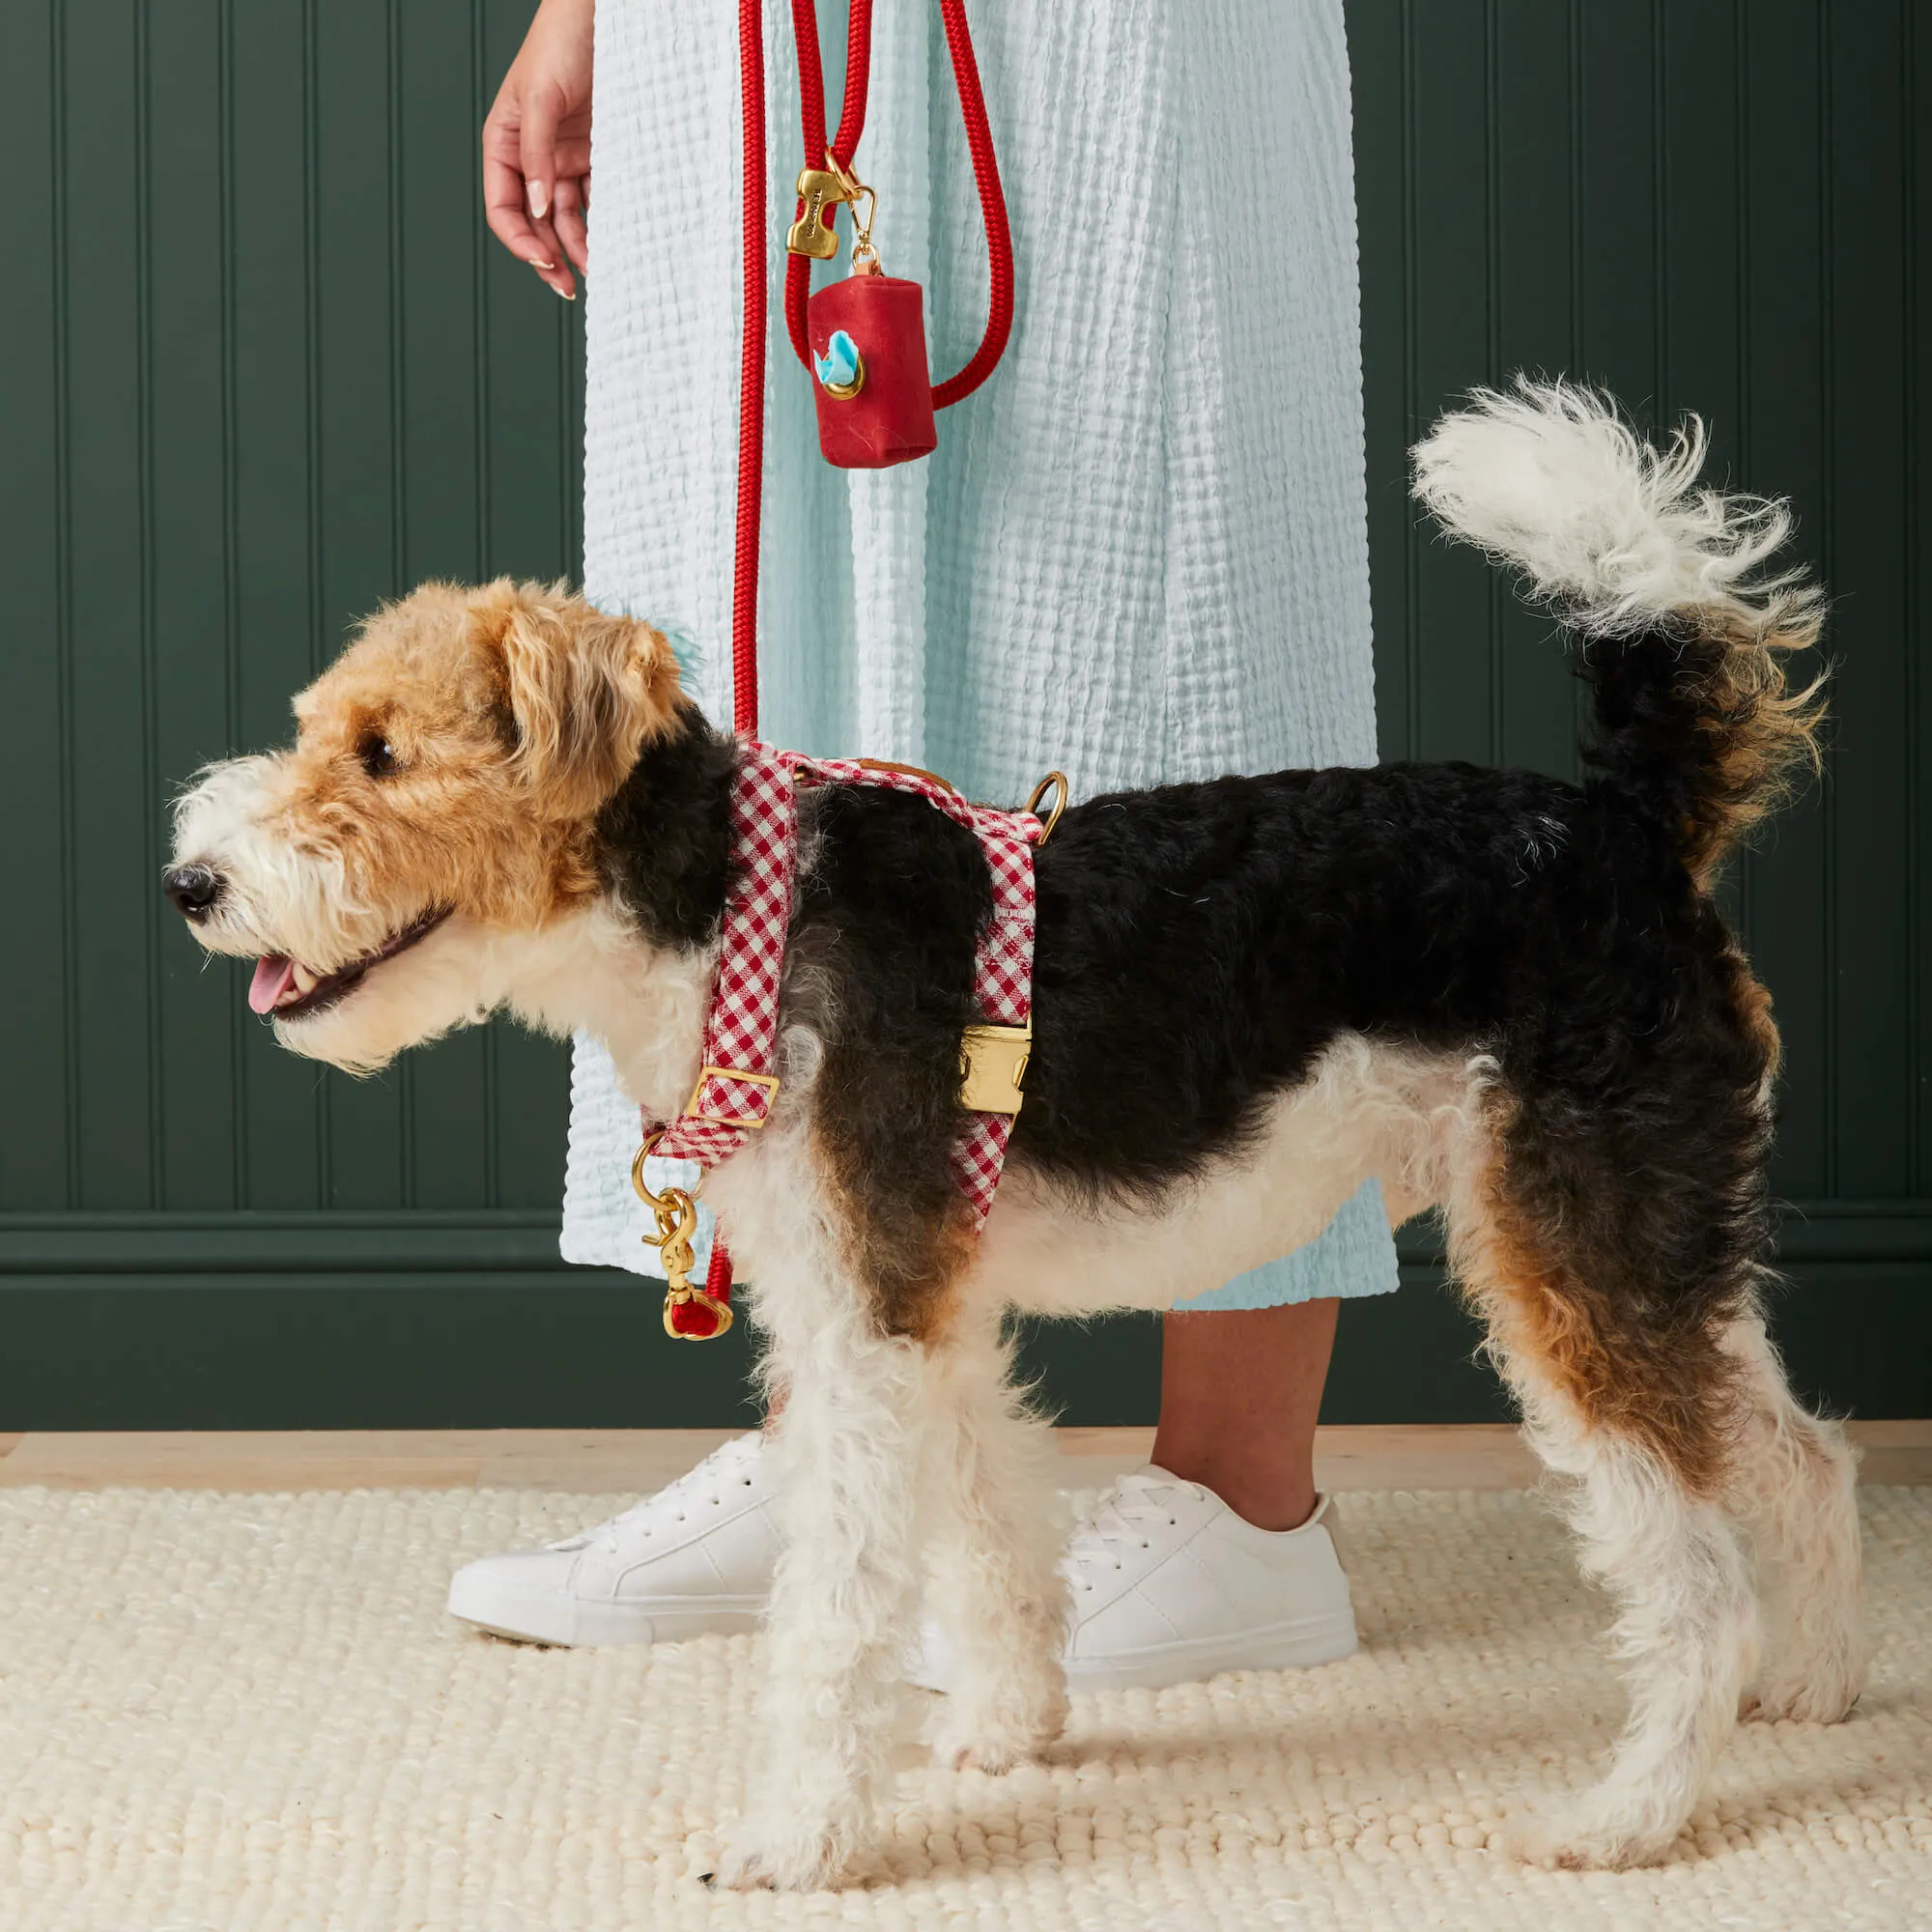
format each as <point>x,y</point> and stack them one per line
<point>739,1083</point>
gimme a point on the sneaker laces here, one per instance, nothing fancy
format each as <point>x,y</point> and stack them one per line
<point>1118,1523</point>
<point>720,1469</point>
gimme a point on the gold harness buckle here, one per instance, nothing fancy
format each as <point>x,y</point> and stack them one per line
<point>993,1063</point>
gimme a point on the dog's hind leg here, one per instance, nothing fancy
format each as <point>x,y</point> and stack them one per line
<point>1686,1630</point>
<point>1635,1419</point>
<point>996,1593</point>
<point>1793,1487</point>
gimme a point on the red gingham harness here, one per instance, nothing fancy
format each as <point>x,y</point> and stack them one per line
<point>739,1081</point>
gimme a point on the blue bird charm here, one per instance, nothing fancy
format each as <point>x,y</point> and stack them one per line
<point>840,369</point>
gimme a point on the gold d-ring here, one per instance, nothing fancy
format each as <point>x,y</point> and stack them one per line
<point>658,1204</point>
<point>1048,784</point>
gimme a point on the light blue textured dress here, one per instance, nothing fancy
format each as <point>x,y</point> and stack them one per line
<point>1140,552</point>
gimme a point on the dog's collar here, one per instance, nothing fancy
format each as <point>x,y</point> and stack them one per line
<point>739,1081</point>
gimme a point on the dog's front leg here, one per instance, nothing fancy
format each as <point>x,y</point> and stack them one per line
<point>997,1597</point>
<point>843,1596</point>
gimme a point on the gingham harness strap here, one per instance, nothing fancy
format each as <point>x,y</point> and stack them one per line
<point>739,1081</point>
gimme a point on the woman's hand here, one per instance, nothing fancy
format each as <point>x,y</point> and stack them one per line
<point>536,146</point>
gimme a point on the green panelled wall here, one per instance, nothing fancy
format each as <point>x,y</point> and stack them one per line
<point>260,367</point>
<point>263,370</point>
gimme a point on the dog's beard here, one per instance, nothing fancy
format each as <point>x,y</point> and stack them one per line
<point>430,989</point>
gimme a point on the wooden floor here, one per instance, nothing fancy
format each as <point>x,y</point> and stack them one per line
<point>633,1461</point>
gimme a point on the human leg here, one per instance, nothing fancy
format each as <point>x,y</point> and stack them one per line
<point>1239,1393</point>
<point>1218,1556</point>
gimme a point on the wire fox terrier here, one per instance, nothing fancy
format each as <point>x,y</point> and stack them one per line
<point>1511,998</point>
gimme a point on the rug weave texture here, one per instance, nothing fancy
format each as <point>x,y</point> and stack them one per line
<point>251,1712</point>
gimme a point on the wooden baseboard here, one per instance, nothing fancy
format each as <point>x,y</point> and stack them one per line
<point>1467,1456</point>
<point>289,1332</point>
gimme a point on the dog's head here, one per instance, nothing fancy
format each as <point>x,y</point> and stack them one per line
<point>437,801</point>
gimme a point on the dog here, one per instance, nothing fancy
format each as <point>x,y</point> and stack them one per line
<point>1511,998</point>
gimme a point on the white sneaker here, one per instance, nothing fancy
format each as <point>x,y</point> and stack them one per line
<point>694,1558</point>
<point>1169,1585</point>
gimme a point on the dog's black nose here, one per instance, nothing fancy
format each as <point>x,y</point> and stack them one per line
<point>195,888</point>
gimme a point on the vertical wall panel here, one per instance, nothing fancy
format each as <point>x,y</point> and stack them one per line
<point>353,194</point>
<point>110,784</point>
<point>1533,257</point>
<point>272,509</point>
<point>1783,450</point>
<point>1620,340</point>
<point>1916,411</point>
<point>438,239</point>
<point>1451,346</point>
<point>1698,202</point>
<point>1867,460</point>
<point>36,943</point>
<point>190,609</point>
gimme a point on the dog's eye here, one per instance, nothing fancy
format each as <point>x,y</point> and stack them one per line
<point>377,756</point>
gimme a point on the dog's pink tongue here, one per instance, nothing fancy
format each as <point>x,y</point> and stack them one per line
<point>273,976</point>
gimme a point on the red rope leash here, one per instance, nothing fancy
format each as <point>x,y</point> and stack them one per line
<point>751,376</point>
<point>798,280</point>
<point>751,448</point>
<point>992,212</point>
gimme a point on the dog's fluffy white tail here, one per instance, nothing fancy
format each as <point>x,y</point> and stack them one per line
<point>1696,724</point>
<point>1611,531</point>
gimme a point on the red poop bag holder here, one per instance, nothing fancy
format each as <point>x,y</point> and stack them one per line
<point>863,339</point>
<point>868,336</point>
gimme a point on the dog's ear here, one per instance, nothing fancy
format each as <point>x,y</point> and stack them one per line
<point>585,692</point>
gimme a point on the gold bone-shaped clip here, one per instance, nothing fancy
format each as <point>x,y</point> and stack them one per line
<point>993,1059</point>
<point>819,189</point>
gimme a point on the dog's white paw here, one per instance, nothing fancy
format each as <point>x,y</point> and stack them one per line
<point>1580,1839</point>
<point>1805,1703</point>
<point>1818,1693</point>
<point>797,1856</point>
<point>996,1740</point>
<point>993,1755</point>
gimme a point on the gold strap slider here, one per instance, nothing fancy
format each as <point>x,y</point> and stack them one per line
<point>769,1082</point>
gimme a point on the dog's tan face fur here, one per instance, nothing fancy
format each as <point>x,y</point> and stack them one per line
<point>448,768</point>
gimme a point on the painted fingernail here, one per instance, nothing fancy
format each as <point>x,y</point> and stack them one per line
<point>569,295</point>
<point>539,198</point>
<point>539,261</point>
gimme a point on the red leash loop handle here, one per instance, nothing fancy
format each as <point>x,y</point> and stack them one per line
<point>751,362</point>
<point>798,268</point>
<point>851,125</point>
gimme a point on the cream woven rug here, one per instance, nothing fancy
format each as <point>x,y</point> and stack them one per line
<point>251,1712</point>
